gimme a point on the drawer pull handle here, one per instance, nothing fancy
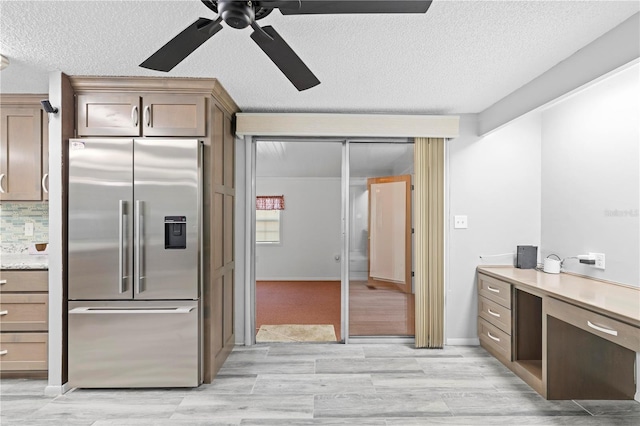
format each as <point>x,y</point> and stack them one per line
<point>495,314</point>
<point>495,290</point>
<point>147,115</point>
<point>134,115</point>
<point>602,329</point>
<point>120,311</point>
<point>3,282</point>
<point>492,337</point>
<point>3,313</point>
<point>44,179</point>
<point>4,352</point>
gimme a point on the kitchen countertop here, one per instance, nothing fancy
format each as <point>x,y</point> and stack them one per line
<point>23,261</point>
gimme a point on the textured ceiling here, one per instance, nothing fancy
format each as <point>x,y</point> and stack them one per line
<point>459,57</point>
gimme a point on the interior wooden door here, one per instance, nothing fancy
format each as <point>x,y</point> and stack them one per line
<point>390,232</point>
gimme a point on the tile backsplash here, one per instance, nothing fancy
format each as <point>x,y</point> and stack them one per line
<point>13,216</point>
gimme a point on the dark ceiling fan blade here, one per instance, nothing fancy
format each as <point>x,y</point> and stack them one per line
<point>357,6</point>
<point>284,57</point>
<point>182,45</point>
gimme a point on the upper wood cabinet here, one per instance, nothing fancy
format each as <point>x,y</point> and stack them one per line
<point>148,115</point>
<point>44,182</point>
<point>21,154</point>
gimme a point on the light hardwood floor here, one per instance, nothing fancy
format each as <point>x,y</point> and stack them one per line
<point>380,311</point>
<point>329,384</point>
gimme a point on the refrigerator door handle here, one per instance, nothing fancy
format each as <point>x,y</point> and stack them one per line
<point>120,311</point>
<point>121,251</point>
<point>138,248</point>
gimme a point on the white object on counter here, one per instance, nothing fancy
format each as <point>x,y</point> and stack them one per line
<point>552,266</point>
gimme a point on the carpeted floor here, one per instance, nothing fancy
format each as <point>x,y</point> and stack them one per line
<point>296,302</point>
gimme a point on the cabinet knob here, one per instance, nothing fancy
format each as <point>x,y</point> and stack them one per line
<point>2,191</point>
<point>3,313</point>
<point>4,352</point>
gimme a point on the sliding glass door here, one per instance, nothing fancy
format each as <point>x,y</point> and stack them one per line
<point>380,290</point>
<point>332,215</point>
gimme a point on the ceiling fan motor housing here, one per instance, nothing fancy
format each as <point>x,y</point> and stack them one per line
<point>237,14</point>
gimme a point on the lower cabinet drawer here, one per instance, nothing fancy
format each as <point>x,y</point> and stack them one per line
<point>496,290</point>
<point>23,351</point>
<point>24,312</point>
<point>494,339</point>
<point>615,331</point>
<point>495,314</point>
<point>24,280</point>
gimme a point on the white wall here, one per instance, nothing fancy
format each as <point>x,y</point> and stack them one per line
<point>311,230</point>
<point>606,54</point>
<point>495,181</point>
<point>591,177</point>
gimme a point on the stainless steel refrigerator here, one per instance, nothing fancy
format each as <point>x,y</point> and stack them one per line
<point>134,262</point>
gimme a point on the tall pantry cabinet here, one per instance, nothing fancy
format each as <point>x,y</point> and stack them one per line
<point>181,107</point>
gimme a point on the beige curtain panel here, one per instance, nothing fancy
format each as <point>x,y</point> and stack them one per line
<point>429,241</point>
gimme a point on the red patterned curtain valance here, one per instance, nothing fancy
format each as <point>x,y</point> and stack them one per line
<point>270,202</point>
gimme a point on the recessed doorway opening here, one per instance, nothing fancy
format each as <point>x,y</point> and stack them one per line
<point>298,241</point>
<point>332,240</point>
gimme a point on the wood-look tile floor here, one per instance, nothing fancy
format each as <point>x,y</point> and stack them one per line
<point>323,384</point>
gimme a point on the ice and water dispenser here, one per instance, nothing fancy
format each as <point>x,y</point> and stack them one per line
<point>175,232</point>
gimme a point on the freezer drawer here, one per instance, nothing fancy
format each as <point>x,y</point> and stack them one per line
<point>134,344</point>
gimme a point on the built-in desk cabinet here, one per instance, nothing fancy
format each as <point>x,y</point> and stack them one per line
<point>24,148</point>
<point>23,323</point>
<point>127,114</point>
<point>535,325</point>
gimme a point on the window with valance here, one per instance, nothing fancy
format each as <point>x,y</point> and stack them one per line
<point>268,219</point>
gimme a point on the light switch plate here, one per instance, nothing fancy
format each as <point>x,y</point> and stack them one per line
<point>28,229</point>
<point>460,222</point>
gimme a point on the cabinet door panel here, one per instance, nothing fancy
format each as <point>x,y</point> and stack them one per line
<point>174,115</point>
<point>21,154</point>
<point>44,182</point>
<point>108,115</point>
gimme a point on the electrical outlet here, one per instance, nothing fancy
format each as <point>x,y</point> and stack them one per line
<point>28,229</point>
<point>599,257</point>
<point>460,222</point>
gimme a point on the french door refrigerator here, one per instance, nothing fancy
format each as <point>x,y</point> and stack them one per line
<point>134,262</point>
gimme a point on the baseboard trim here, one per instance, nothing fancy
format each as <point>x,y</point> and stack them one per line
<point>380,340</point>
<point>463,342</point>
<point>57,390</point>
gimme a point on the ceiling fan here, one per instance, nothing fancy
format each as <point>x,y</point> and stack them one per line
<point>241,14</point>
